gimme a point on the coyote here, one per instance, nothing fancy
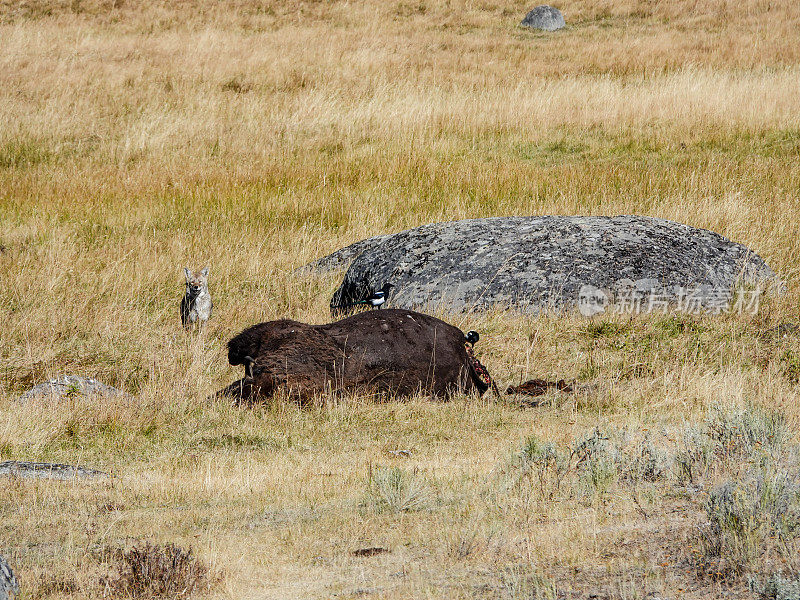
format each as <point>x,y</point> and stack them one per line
<point>196,304</point>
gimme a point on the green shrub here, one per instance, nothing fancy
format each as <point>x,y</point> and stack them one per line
<point>396,490</point>
<point>735,437</point>
<point>744,433</point>
<point>547,466</point>
<point>750,519</point>
<point>647,463</point>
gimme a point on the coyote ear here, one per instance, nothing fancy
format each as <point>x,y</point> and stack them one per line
<point>204,272</point>
<point>188,273</point>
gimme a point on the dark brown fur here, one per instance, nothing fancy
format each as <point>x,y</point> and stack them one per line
<point>394,352</point>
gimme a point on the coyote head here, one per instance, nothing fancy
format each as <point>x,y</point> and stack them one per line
<point>196,283</point>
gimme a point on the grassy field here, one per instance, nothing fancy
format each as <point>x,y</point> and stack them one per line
<point>137,138</point>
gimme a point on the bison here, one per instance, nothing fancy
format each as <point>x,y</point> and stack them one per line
<point>388,352</point>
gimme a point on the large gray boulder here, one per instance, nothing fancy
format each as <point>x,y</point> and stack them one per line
<point>533,263</point>
<point>8,583</point>
<point>545,18</point>
<point>341,259</point>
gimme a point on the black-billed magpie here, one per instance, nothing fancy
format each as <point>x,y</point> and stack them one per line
<point>377,299</point>
<point>374,300</point>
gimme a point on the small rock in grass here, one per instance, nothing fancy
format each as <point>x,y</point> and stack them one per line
<point>545,18</point>
<point>71,385</point>
<point>8,583</point>
<point>34,470</point>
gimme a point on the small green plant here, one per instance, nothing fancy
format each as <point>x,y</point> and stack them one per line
<point>604,329</point>
<point>392,489</point>
<point>637,464</point>
<point>73,390</point>
<point>675,325</point>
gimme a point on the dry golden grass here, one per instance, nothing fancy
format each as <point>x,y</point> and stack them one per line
<point>139,137</point>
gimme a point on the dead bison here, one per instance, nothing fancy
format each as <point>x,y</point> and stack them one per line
<point>390,352</point>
